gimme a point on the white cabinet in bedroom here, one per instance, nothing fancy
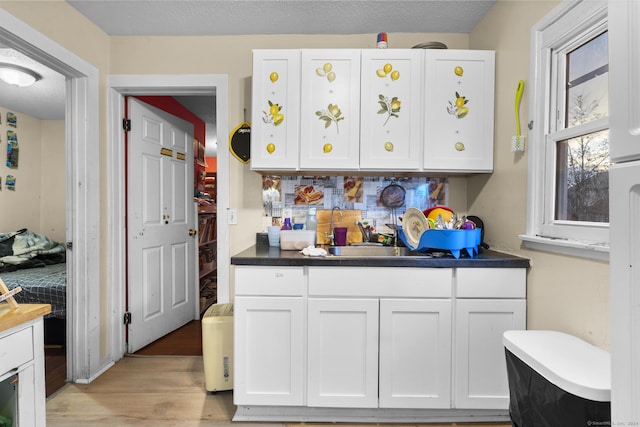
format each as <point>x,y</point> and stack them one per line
<point>22,390</point>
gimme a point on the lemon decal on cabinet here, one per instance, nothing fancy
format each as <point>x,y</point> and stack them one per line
<point>327,148</point>
<point>273,116</point>
<point>458,71</point>
<point>384,72</point>
<point>458,107</point>
<point>390,107</point>
<point>271,147</point>
<point>388,146</point>
<point>459,146</point>
<point>273,77</point>
<point>331,115</point>
<point>325,71</point>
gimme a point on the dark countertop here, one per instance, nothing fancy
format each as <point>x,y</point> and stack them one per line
<point>273,256</point>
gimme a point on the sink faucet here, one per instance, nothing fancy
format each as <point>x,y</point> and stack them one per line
<point>332,234</point>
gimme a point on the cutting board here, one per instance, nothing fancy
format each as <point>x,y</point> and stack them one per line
<point>348,219</point>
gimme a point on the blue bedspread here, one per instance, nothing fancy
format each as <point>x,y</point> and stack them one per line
<point>41,285</point>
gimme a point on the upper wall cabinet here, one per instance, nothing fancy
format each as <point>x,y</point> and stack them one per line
<point>330,109</point>
<point>411,110</point>
<point>458,120</point>
<point>276,109</point>
<point>391,109</point>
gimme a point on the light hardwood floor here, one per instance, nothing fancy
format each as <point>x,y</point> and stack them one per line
<point>158,391</point>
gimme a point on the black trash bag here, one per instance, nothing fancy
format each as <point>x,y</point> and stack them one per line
<point>536,402</point>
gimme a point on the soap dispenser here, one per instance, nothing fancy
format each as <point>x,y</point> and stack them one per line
<point>287,224</point>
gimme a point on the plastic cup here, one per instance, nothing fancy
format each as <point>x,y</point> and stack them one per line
<point>273,232</point>
<point>340,236</point>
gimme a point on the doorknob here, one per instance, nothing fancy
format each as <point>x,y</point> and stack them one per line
<point>192,232</point>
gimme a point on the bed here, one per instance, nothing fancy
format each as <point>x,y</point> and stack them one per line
<point>37,264</point>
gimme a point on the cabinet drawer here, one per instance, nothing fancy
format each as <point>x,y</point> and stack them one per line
<point>380,282</point>
<point>491,283</point>
<point>16,349</point>
<point>269,280</point>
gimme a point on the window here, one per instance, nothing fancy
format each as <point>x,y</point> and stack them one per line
<point>568,194</point>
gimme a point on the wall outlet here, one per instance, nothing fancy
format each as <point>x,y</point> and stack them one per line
<point>232,216</point>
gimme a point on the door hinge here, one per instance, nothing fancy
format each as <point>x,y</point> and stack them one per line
<point>126,125</point>
<point>127,318</point>
<point>69,245</point>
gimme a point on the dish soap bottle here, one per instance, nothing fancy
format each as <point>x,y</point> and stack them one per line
<point>287,224</point>
<point>312,220</point>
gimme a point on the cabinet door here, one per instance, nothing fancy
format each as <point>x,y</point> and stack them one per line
<point>330,109</point>
<point>459,92</point>
<point>391,109</point>
<point>415,353</point>
<point>343,353</point>
<point>269,343</point>
<point>276,109</point>
<point>624,105</point>
<point>480,367</point>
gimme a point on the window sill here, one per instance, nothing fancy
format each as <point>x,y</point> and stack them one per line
<point>581,249</point>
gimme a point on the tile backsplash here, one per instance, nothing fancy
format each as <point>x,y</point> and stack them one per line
<point>292,196</point>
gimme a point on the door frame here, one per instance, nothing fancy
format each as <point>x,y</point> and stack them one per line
<point>82,146</point>
<point>119,86</point>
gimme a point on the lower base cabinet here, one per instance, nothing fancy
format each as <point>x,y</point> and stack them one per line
<point>269,336</point>
<point>489,302</point>
<point>378,338</point>
<point>415,353</point>
<point>343,353</point>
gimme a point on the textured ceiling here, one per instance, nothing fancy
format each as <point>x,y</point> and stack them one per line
<point>220,17</point>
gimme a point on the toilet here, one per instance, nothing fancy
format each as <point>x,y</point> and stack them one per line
<point>556,380</point>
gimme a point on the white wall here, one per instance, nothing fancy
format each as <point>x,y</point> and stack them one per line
<point>564,293</point>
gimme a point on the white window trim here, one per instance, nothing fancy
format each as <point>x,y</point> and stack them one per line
<point>567,18</point>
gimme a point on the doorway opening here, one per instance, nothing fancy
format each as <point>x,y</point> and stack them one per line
<point>82,201</point>
<point>159,85</point>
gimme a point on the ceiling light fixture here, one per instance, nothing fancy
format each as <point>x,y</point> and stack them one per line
<point>16,75</point>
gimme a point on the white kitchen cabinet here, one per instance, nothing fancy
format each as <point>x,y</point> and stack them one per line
<point>391,109</point>
<point>22,389</point>
<point>330,109</point>
<point>458,117</point>
<point>624,105</point>
<point>488,303</point>
<point>343,353</point>
<point>269,336</point>
<point>415,353</point>
<point>379,337</point>
<point>275,129</point>
<point>383,110</point>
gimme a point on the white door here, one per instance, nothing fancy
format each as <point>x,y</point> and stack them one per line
<point>160,216</point>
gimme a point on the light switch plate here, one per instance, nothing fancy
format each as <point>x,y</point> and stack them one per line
<point>232,216</point>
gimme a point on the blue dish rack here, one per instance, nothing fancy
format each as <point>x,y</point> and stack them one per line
<point>451,240</point>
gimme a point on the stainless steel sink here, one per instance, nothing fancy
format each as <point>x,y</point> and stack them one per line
<point>369,251</point>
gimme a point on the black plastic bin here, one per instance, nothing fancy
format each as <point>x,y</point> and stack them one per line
<point>556,380</point>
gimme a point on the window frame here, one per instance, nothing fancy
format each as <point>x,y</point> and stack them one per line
<point>569,24</point>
